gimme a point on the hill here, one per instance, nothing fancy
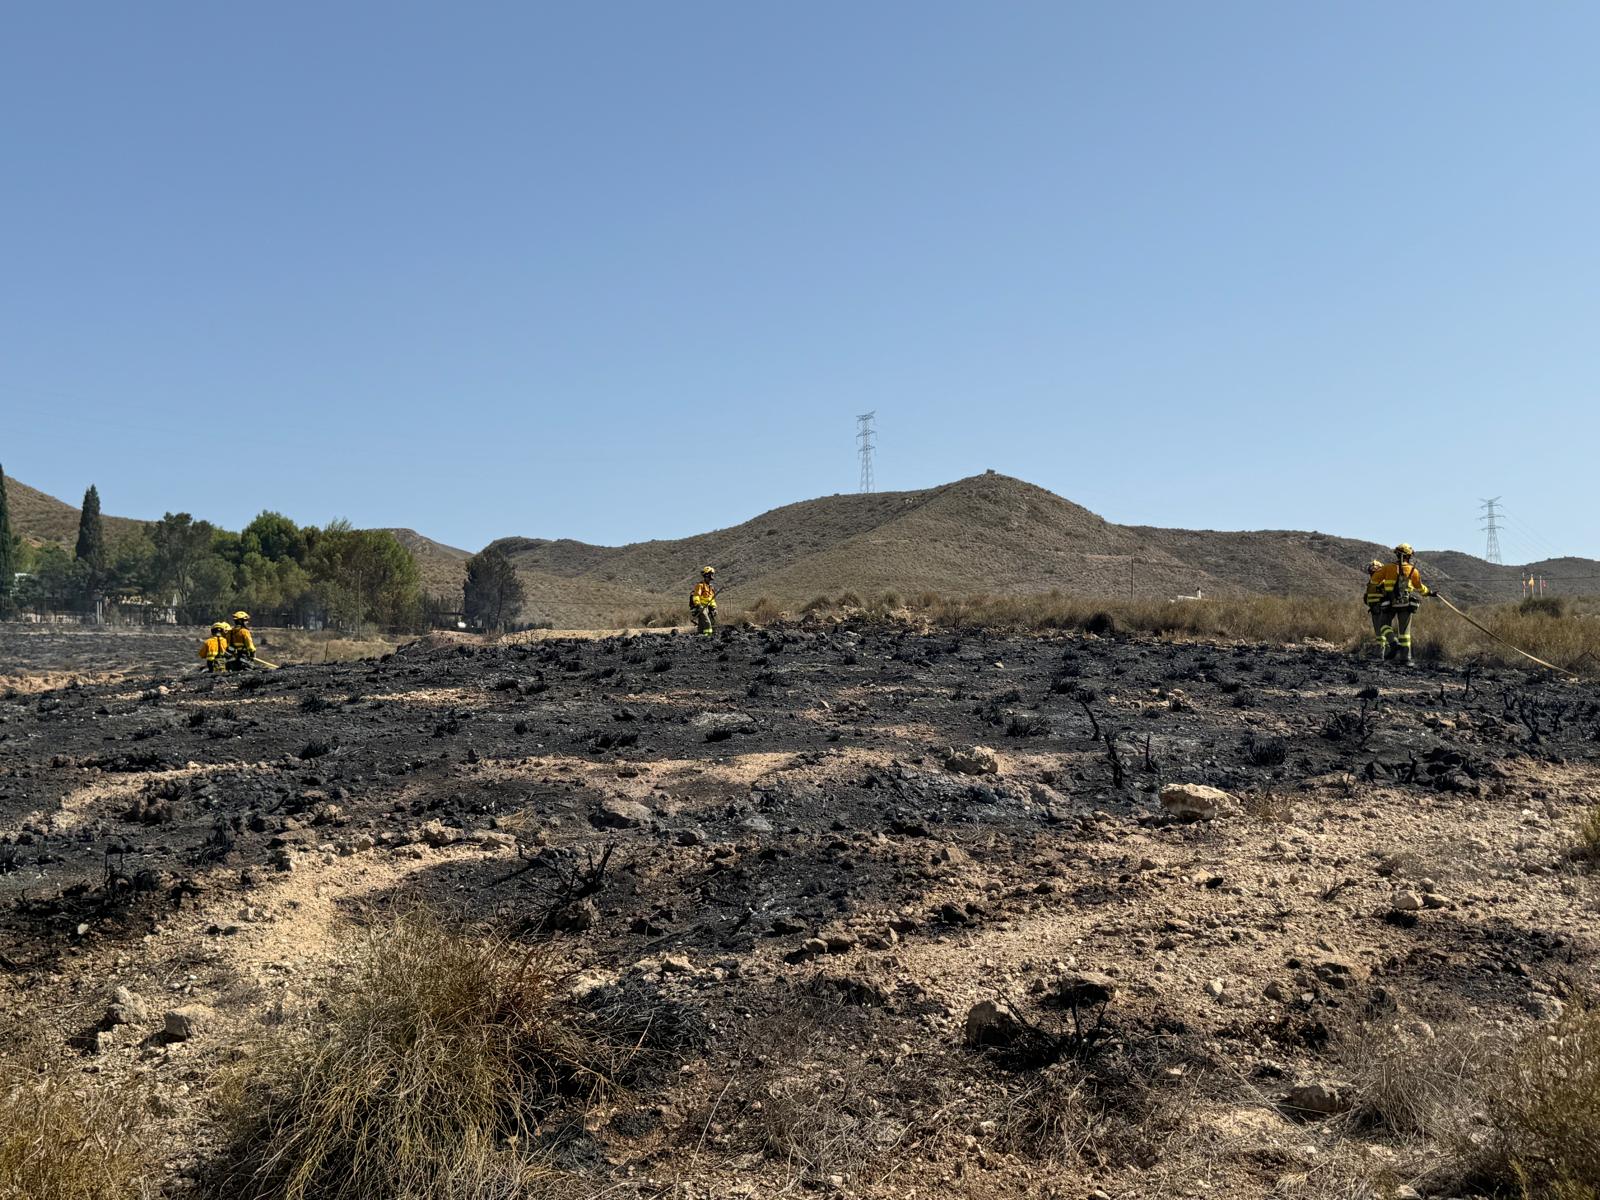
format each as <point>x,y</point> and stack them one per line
<point>987,534</point>
<point>441,568</point>
<point>42,518</point>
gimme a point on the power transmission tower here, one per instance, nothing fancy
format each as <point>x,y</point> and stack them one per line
<point>864,435</point>
<point>1491,529</point>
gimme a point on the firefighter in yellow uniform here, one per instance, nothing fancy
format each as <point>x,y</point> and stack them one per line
<point>241,644</point>
<point>214,650</point>
<point>703,603</point>
<point>1394,592</point>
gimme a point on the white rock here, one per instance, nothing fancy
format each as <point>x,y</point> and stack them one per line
<point>1196,801</point>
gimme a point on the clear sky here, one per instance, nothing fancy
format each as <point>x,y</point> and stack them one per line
<point>627,270</point>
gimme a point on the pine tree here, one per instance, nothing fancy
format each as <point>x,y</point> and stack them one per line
<point>91,551</point>
<point>492,593</point>
<point>8,551</point>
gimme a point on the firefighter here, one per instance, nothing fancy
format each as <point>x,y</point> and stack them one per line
<point>1394,592</point>
<point>214,650</point>
<point>703,602</point>
<point>241,644</point>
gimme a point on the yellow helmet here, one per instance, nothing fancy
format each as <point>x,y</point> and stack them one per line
<point>708,570</point>
<point>241,616</point>
<point>1403,550</point>
<point>1374,565</point>
<point>220,627</point>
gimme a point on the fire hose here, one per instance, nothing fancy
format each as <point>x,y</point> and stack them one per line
<point>1503,642</point>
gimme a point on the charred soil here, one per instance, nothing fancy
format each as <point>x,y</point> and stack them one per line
<point>911,901</point>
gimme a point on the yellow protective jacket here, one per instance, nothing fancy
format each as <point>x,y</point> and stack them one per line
<point>240,639</point>
<point>213,648</point>
<point>1384,584</point>
<point>703,596</point>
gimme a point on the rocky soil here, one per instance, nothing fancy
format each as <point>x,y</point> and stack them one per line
<point>948,915</point>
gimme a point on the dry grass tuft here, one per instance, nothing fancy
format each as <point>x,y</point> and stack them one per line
<point>62,1139</point>
<point>1586,836</point>
<point>1408,1079</point>
<point>427,1073</point>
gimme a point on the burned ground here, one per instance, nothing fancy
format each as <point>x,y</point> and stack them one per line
<point>766,831</point>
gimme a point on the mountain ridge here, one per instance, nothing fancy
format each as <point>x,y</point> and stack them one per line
<point>987,534</point>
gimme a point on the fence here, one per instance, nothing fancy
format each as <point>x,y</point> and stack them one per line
<point>137,614</point>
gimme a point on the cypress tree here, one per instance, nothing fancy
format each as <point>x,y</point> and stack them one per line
<point>91,540</point>
<point>91,551</point>
<point>8,548</point>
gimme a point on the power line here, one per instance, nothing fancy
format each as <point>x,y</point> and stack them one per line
<point>1491,529</point>
<point>1531,536</point>
<point>864,436</point>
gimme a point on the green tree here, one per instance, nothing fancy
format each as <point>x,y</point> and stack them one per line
<point>265,585</point>
<point>182,547</point>
<point>211,586</point>
<point>365,575</point>
<point>57,581</point>
<point>275,537</point>
<point>91,548</point>
<point>228,546</point>
<point>10,552</point>
<point>132,564</point>
<point>492,595</point>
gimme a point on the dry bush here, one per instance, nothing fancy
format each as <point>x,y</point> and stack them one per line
<point>656,618</point>
<point>64,1139</point>
<point>1586,836</point>
<point>1547,606</point>
<point>764,611</point>
<point>1276,808</point>
<point>1543,1104</point>
<point>1101,1104</point>
<point>425,1073</point>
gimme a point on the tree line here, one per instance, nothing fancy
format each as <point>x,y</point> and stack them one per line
<point>334,573</point>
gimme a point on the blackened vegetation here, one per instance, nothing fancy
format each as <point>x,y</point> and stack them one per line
<point>275,745</point>
<point>1268,751</point>
<point>1350,728</point>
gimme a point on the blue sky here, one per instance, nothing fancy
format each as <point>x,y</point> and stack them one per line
<point>620,271</point>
